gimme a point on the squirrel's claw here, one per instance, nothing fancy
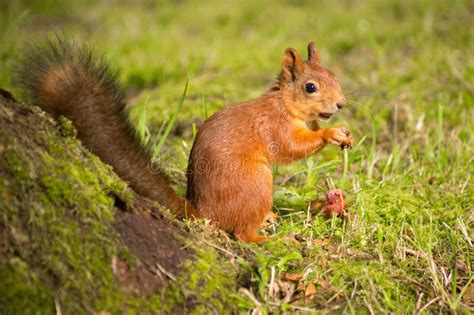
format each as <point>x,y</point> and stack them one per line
<point>346,145</point>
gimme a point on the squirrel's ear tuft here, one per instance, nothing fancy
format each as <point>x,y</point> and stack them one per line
<point>291,65</point>
<point>313,54</point>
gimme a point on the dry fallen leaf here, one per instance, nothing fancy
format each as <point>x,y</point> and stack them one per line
<point>468,297</point>
<point>322,242</point>
<point>295,277</point>
<point>309,292</point>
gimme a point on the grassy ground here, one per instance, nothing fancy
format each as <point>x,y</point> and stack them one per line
<point>408,71</point>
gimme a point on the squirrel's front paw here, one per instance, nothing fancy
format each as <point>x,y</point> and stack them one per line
<point>340,136</point>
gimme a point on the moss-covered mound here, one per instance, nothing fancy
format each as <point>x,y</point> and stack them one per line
<point>75,239</point>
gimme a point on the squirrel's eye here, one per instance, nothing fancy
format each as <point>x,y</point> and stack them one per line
<point>310,87</point>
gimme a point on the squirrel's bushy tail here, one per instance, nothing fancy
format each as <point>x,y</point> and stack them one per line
<point>68,80</point>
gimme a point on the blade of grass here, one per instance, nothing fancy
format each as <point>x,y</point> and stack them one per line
<point>171,122</point>
<point>372,151</point>
<point>345,163</point>
<point>204,106</point>
<point>440,125</point>
<point>142,128</point>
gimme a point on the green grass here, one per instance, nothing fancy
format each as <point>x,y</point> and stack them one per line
<point>408,71</point>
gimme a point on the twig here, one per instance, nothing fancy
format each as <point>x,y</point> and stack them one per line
<point>412,252</point>
<point>222,249</point>
<point>371,311</point>
<point>418,303</point>
<point>272,282</point>
<point>57,306</point>
<point>250,296</point>
<point>335,296</point>
<point>163,270</point>
<point>296,307</point>
<point>429,303</point>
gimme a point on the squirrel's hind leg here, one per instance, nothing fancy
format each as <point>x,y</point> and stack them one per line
<point>249,232</point>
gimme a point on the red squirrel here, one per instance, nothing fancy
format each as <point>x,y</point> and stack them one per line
<point>229,178</point>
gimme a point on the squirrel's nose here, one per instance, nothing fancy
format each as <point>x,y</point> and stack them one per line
<point>341,104</point>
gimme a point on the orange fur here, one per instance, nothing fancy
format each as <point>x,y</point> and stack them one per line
<point>229,173</point>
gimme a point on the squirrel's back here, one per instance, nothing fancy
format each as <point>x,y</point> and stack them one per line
<point>68,80</point>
